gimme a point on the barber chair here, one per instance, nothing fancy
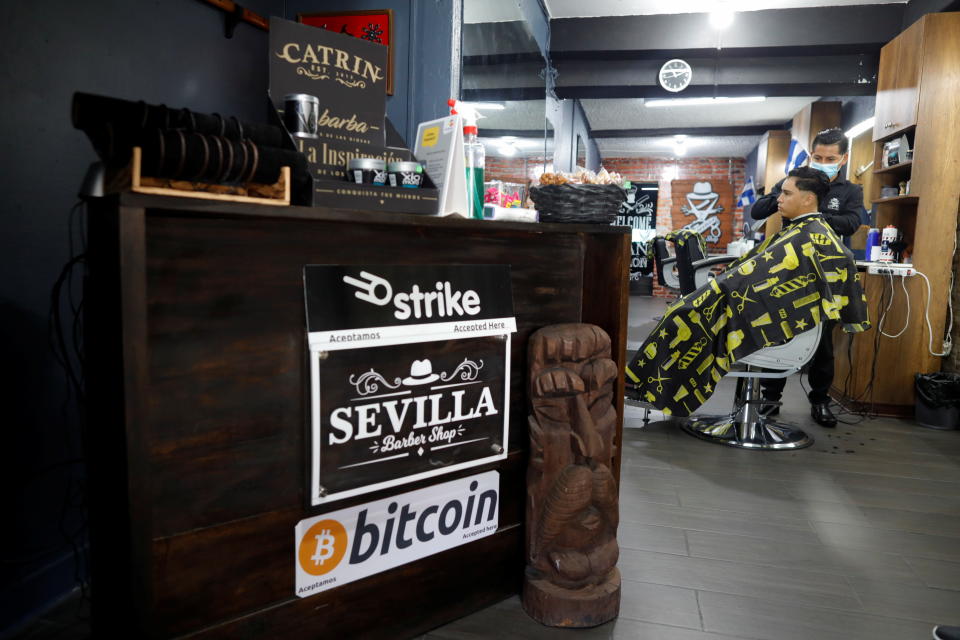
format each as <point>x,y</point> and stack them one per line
<point>694,266</point>
<point>665,264</point>
<point>746,427</point>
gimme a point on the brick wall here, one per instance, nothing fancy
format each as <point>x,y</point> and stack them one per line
<point>657,170</point>
<point>515,169</point>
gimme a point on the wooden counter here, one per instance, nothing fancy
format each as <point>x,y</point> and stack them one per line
<point>198,410</point>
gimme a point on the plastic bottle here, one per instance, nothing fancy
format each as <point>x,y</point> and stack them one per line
<point>888,236</point>
<point>873,241</point>
<point>474,157</point>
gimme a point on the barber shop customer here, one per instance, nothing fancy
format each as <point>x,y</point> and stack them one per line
<point>842,209</point>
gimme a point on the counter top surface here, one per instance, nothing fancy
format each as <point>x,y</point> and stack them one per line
<point>212,207</point>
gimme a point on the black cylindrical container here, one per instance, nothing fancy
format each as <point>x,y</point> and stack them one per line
<point>405,174</point>
<point>300,113</point>
<point>367,171</point>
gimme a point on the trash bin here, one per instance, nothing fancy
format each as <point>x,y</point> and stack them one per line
<point>938,400</point>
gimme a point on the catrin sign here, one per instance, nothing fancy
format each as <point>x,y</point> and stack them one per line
<point>409,373</point>
<point>337,548</point>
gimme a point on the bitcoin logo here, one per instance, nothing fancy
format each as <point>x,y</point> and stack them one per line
<point>322,547</point>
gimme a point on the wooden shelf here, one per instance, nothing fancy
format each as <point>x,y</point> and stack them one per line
<point>906,199</point>
<point>895,168</point>
<point>896,134</point>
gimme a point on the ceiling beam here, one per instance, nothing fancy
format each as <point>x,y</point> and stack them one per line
<point>502,94</point>
<point>798,51</point>
<point>805,27</point>
<point>604,92</point>
<point>732,90</point>
<point>746,130</point>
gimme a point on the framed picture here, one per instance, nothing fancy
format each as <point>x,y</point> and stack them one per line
<point>375,25</point>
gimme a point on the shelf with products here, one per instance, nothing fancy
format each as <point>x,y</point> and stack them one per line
<point>905,199</point>
<point>914,187</point>
<point>893,173</point>
<point>903,167</point>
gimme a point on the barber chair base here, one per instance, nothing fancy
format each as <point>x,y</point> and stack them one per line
<point>761,433</point>
<point>746,427</point>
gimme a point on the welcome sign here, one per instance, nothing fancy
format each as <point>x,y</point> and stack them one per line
<point>409,373</point>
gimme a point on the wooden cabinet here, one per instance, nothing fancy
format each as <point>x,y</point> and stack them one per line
<point>880,371</point>
<point>898,82</point>
<point>771,159</point>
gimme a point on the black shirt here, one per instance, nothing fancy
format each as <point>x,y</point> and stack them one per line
<point>842,207</point>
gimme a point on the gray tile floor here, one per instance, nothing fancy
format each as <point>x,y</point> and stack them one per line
<point>856,537</point>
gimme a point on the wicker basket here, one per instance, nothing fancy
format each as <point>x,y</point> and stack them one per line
<point>580,203</point>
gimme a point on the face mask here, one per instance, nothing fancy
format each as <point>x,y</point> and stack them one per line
<point>830,169</point>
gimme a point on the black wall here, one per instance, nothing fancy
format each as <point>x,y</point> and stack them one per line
<point>170,51</point>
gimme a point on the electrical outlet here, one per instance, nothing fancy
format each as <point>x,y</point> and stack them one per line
<point>891,268</point>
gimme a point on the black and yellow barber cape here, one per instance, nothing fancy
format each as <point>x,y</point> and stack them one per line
<point>791,282</point>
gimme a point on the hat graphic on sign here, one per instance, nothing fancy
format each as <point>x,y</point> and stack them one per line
<point>702,191</point>
<point>421,372</point>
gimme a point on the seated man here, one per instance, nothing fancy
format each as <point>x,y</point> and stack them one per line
<point>794,280</point>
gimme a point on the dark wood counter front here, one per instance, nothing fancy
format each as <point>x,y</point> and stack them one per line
<point>198,410</point>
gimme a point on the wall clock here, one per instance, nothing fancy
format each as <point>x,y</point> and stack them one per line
<point>675,75</point>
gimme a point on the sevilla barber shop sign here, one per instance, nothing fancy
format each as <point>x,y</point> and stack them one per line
<point>409,373</point>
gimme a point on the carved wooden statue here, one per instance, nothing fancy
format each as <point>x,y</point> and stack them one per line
<point>571,578</point>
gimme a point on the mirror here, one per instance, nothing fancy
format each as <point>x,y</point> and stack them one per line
<point>503,73</point>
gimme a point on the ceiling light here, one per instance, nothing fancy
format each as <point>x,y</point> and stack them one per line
<point>507,150</point>
<point>508,138</point>
<point>680,150</point>
<point>689,102</point>
<point>857,129</point>
<point>721,19</point>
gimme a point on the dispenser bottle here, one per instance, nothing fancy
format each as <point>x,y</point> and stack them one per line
<point>474,157</point>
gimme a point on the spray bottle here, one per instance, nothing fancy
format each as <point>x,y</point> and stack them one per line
<point>474,156</point>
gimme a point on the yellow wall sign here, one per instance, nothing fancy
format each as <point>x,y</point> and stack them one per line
<point>430,137</point>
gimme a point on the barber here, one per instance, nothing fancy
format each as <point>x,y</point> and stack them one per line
<point>842,208</point>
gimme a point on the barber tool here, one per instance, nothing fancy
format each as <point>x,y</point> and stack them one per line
<point>691,354</point>
<point>790,260</point>
<point>744,298</point>
<point>683,332</point>
<point>659,380</point>
<point>888,237</point>
<point>794,284</point>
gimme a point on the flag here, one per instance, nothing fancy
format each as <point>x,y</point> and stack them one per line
<point>796,156</point>
<point>749,195</point>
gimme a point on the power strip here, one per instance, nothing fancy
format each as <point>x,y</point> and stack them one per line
<point>892,269</point>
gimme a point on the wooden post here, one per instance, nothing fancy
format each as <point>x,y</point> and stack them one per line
<point>571,578</point>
